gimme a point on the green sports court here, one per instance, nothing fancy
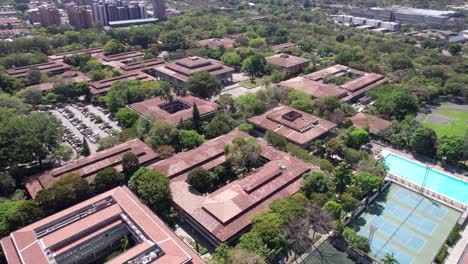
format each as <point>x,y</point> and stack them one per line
<point>407,224</point>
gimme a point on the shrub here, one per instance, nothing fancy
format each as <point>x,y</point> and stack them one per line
<point>355,240</point>
<point>326,165</point>
<point>276,140</point>
<point>246,127</point>
<point>454,234</point>
<point>442,254</point>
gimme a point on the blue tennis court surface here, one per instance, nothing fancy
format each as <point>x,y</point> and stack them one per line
<point>407,224</point>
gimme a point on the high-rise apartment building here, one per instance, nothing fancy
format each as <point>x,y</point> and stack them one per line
<point>104,12</point>
<point>49,16</point>
<point>79,17</point>
<point>159,9</point>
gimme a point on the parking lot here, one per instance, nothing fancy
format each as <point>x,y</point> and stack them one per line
<point>85,121</point>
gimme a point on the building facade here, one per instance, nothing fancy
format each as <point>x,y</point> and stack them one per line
<point>79,17</point>
<point>105,12</point>
<point>159,9</point>
<point>94,229</point>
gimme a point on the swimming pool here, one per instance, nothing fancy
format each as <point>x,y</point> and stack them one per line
<point>436,181</point>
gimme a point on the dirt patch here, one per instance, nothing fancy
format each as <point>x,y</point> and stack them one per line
<point>438,119</point>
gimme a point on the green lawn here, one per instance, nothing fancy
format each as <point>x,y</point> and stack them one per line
<point>258,81</point>
<point>456,127</point>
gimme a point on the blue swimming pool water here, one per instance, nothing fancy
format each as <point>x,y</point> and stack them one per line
<point>436,181</point>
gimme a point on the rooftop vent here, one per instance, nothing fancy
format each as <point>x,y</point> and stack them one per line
<point>292,115</point>
<point>193,58</point>
<point>284,56</point>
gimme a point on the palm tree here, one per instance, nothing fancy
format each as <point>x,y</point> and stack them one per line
<point>390,259</point>
<point>124,242</point>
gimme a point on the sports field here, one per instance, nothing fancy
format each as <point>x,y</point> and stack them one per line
<point>448,120</point>
<point>407,224</point>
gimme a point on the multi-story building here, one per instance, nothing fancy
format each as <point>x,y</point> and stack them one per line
<point>179,72</point>
<point>79,17</point>
<point>159,9</point>
<point>290,64</point>
<point>49,16</point>
<point>105,12</point>
<point>92,231</point>
<point>223,214</point>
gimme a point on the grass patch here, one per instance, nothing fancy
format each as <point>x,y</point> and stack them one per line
<point>257,82</point>
<point>455,127</point>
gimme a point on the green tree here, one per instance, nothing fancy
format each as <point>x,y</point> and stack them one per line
<point>355,240</point>
<point>249,105</point>
<point>242,154</point>
<point>455,48</point>
<point>200,179</point>
<point>130,164</point>
<point>107,179</point>
<point>221,124</point>
<point>400,61</point>
<point>204,85</point>
<point>276,140</point>
<point>315,182</point>
<point>367,182</point>
<point>389,259</point>
<point>450,149</point>
<point>161,133</point>
<point>301,101</point>
<point>348,201</point>
<point>30,138</point>
<point>196,119</point>
<point>21,7</point>
<point>126,117</point>
<point>25,214</point>
<point>424,141</point>
<point>342,175</point>
<point>152,188</point>
<point>231,58</point>
<point>334,208</point>
<point>65,192</point>
<point>174,40</point>
<point>34,76</point>
<point>85,151</point>
<point>254,66</point>
<point>7,184</point>
<point>113,47</point>
<point>267,225</point>
<point>356,138</point>
<point>189,139</point>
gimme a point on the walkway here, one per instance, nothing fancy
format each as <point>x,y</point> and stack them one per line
<point>459,250</point>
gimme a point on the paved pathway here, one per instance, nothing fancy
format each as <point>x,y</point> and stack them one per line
<point>459,251</point>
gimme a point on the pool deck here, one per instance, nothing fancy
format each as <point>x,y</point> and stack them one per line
<point>435,167</point>
<point>425,191</point>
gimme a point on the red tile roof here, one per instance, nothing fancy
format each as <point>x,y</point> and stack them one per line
<point>153,107</point>
<point>314,88</point>
<point>286,60</point>
<point>60,56</point>
<point>283,46</point>
<point>123,57</point>
<point>183,69</point>
<point>63,231</point>
<point>301,130</point>
<point>227,211</point>
<point>142,65</point>
<point>316,84</point>
<point>103,86</point>
<point>87,167</point>
<point>217,42</point>
<point>50,68</point>
<point>373,123</point>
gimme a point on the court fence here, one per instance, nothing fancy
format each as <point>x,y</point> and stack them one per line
<point>428,193</point>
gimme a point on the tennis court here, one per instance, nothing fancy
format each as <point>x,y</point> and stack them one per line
<point>407,224</point>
